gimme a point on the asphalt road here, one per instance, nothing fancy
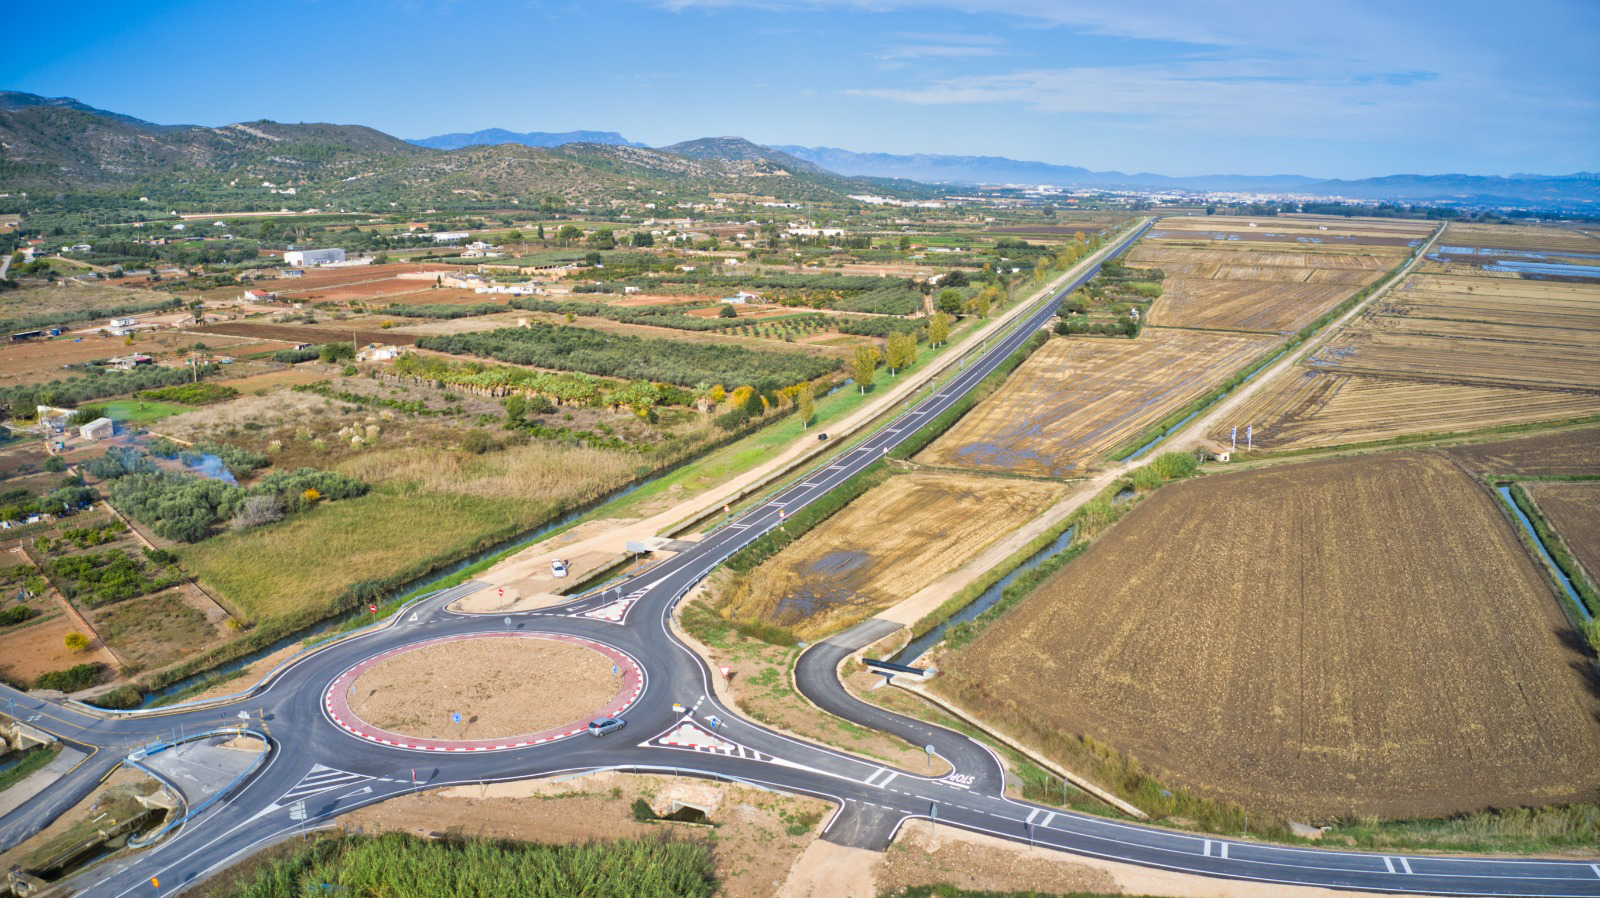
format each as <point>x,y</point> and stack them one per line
<point>317,770</point>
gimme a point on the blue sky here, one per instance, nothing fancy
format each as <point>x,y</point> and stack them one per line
<point>1180,87</point>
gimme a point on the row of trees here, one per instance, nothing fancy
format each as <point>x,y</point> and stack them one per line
<point>634,358</point>
<point>21,401</point>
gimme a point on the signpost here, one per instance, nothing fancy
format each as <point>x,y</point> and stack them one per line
<point>374,609</point>
<point>929,750</point>
<point>508,623</point>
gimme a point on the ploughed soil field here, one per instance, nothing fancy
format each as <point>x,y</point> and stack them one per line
<point>1342,637</point>
<point>1451,349</point>
<point>1077,398</point>
<point>1568,452</point>
<point>1267,274</point>
<point>894,540</point>
<point>1574,510</point>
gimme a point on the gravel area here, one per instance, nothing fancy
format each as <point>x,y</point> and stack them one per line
<point>501,686</point>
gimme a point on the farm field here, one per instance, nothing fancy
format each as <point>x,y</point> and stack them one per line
<point>300,333</point>
<point>897,538</point>
<point>1077,398</point>
<point>1450,349</point>
<point>1574,510</point>
<point>41,361</point>
<point>1307,640</point>
<point>1307,408</point>
<point>1568,452</point>
<point>1268,275</point>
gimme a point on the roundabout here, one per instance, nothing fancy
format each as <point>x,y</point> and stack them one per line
<point>483,691</point>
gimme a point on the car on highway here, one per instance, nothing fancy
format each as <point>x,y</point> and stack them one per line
<point>606,725</point>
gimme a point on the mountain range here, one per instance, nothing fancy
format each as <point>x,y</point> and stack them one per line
<point>54,143</point>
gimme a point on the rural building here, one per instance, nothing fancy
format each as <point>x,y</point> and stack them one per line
<point>123,322</point>
<point>302,258</point>
<point>98,429</point>
<point>290,273</point>
<point>129,362</point>
<point>258,296</point>
<point>378,354</point>
<point>449,236</point>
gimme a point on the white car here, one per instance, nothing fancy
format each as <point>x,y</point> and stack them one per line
<point>558,568</point>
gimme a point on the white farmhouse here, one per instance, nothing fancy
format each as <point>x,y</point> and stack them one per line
<point>303,258</point>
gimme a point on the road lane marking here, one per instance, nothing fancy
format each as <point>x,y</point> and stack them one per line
<point>1206,852</point>
<point>1389,863</point>
<point>1031,814</point>
<point>1224,850</point>
<point>1048,817</point>
<point>875,774</point>
<point>1404,863</point>
<point>1596,869</point>
<point>892,775</point>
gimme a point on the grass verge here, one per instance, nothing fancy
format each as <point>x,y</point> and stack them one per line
<point>32,761</point>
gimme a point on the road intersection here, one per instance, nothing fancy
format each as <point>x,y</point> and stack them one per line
<point>318,768</point>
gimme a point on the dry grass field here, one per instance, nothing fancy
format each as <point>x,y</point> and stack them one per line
<point>1521,237</point>
<point>1272,275</point>
<point>1308,640</point>
<point>1077,398</point>
<point>1574,510</point>
<point>896,539</point>
<point>1453,348</point>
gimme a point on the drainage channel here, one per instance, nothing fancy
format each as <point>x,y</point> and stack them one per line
<point>1561,576</point>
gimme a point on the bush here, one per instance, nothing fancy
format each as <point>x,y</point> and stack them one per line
<point>191,394</point>
<point>55,464</point>
<point>73,679</point>
<point>15,615</point>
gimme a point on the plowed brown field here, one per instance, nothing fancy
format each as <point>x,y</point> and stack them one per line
<point>1574,510</point>
<point>1352,636</point>
<point>1568,452</point>
<point>1077,398</point>
<point>896,539</point>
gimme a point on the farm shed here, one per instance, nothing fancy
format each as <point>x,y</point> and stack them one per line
<point>98,429</point>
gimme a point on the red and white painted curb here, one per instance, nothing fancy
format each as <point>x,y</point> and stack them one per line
<point>336,704</point>
<point>612,613</point>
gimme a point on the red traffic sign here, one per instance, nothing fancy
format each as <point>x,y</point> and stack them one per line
<point>373,608</point>
<point>725,671</point>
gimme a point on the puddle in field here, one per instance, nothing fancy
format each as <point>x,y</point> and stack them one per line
<point>827,582</point>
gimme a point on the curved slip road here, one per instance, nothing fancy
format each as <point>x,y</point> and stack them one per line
<point>317,770</point>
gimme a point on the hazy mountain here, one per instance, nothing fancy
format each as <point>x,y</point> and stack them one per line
<point>495,136</point>
<point>1001,170</point>
<point>739,149</point>
<point>1580,188</point>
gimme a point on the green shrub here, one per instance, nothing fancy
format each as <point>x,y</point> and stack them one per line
<point>73,679</point>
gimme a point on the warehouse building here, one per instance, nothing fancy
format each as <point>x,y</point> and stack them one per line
<point>304,258</point>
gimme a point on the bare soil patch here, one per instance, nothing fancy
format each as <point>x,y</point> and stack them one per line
<point>896,539</point>
<point>1344,637</point>
<point>501,686</point>
<point>923,856</point>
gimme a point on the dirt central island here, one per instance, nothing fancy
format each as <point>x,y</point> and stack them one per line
<point>500,685</point>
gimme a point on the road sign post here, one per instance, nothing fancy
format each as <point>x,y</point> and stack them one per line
<point>929,750</point>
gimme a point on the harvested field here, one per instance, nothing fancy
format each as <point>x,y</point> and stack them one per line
<point>1520,237</point>
<point>1076,399</point>
<point>298,333</point>
<point>1225,273</point>
<point>1309,640</point>
<point>1306,408</point>
<point>896,539</point>
<point>1574,510</point>
<point>501,687</point>
<point>1465,352</point>
<point>1453,348</point>
<point>1569,452</point>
